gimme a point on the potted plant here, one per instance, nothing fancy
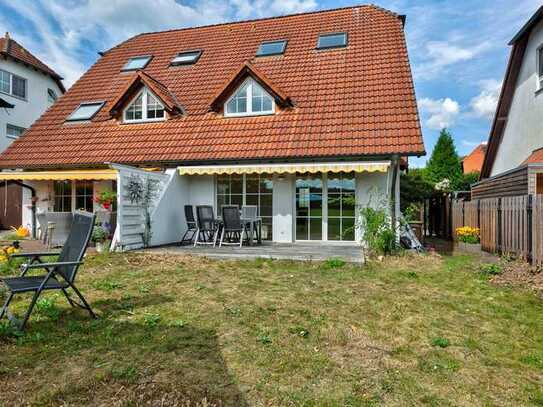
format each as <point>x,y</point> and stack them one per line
<point>106,199</point>
<point>469,239</point>
<point>99,236</point>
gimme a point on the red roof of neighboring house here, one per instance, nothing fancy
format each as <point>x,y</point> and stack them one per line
<point>348,102</point>
<point>535,158</point>
<point>11,48</point>
<point>473,162</point>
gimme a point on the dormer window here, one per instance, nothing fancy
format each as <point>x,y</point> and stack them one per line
<point>135,63</point>
<point>186,58</point>
<point>336,40</point>
<point>145,107</point>
<point>249,100</point>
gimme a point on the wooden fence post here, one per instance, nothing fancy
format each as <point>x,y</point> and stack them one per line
<point>529,219</point>
<point>499,228</point>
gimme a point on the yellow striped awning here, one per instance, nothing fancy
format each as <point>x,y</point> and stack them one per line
<point>102,174</point>
<point>286,168</point>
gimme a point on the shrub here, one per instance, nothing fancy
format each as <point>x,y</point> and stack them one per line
<point>492,269</point>
<point>99,234</point>
<point>468,234</point>
<point>379,234</point>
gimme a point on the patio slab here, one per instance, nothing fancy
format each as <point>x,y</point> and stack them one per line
<point>295,251</point>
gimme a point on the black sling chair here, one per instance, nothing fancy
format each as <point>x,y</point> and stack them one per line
<point>60,274</point>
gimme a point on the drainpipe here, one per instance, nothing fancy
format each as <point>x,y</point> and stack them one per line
<point>33,207</point>
<point>395,165</point>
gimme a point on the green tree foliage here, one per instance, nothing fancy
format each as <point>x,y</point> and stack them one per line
<point>444,162</point>
<point>414,188</point>
<point>467,180</point>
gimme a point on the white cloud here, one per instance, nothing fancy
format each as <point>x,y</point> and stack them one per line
<point>67,32</point>
<point>439,113</point>
<point>440,55</point>
<point>484,104</point>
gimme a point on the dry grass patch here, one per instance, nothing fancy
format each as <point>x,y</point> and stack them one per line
<point>192,331</point>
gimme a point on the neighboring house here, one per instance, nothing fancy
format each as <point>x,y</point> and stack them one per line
<point>513,164</point>
<point>473,162</point>
<point>27,88</point>
<point>305,116</point>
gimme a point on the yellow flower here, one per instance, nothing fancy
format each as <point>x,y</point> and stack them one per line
<point>21,232</point>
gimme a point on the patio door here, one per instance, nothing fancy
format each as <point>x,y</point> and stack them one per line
<point>309,206</point>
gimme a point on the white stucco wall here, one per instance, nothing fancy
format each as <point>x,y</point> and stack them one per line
<point>168,219</point>
<point>201,190</point>
<point>26,111</point>
<point>284,208</point>
<point>524,129</point>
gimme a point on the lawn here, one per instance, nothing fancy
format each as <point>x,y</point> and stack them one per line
<point>191,331</point>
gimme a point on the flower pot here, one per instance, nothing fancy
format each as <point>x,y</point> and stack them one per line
<point>99,247</point>
<point>469,247</point>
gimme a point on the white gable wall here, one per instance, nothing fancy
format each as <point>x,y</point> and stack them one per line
<point>26,111</point>
<point>524,129</point>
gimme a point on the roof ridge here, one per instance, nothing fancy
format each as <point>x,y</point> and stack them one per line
<point>11,40</point>
<point>264,19</point>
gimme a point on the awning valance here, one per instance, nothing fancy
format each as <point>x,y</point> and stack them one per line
<point>103,174</point>
<point>286,168</point>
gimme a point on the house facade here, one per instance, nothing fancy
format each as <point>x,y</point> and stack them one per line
<point>305,116</point>
<point>28,88</point>
<point>514,164</point>
<point>473,162</point>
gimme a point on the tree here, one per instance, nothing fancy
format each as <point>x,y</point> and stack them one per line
<point>444,162</point>
<point>467,180</point>
<point>414,188</point>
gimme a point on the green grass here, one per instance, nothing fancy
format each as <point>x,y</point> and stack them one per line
<point>408,331</point>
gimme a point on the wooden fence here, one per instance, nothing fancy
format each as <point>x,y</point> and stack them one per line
<point>510,225</point>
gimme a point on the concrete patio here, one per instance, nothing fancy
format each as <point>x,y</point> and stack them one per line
<point>296,251</point>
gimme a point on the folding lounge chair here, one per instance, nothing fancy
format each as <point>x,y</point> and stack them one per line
<point>60,274</point>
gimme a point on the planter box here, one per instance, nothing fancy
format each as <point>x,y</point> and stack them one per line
<point>469,247</point>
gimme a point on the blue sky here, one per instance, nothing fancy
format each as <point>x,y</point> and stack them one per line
<point>458,49</point>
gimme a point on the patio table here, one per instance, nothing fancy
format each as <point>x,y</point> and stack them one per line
<point>255,224</point>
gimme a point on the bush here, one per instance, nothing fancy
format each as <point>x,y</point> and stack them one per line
<point>379,234</point>
<point>99,234</point>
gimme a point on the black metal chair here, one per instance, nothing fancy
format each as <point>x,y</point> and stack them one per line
<point>208,227</point>
<point>191,225</point>
<point>233,228</point>
<point>60,275</point>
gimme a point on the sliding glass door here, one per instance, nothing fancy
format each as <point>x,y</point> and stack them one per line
<point>309,207</point>
<point>325,207</point>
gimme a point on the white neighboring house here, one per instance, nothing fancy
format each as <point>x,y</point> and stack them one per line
<point>28,88</point>
<point>513,163</point>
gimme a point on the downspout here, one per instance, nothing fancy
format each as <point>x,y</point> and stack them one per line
<point>394,163</point>
<point>33,200</point>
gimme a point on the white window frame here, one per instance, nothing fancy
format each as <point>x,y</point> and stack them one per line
<point>52,96</point>
<point>10,92</point>
<point>250,82</point>
<point>539,75</point>
<point>144,118</point>
<point>11,136</point>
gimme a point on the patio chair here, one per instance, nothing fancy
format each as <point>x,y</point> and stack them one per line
<point>191,225</point>
<point>60,274</point>
<point>208,227</point>
<point>42,222</point>
<point>249,213</point>
<point>233,228</point>
<point>62,222</point>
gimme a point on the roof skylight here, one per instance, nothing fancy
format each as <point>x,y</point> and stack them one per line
<point>137,63</point>
<point>337,40</point>
<point>85,111</point>
<point>186,58</point>
<point>271,48</point>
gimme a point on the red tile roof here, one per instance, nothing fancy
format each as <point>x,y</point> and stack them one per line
<point>349,102</point>
<point>11,48</point>
<point>473,162</point>
<point>535,158</point>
